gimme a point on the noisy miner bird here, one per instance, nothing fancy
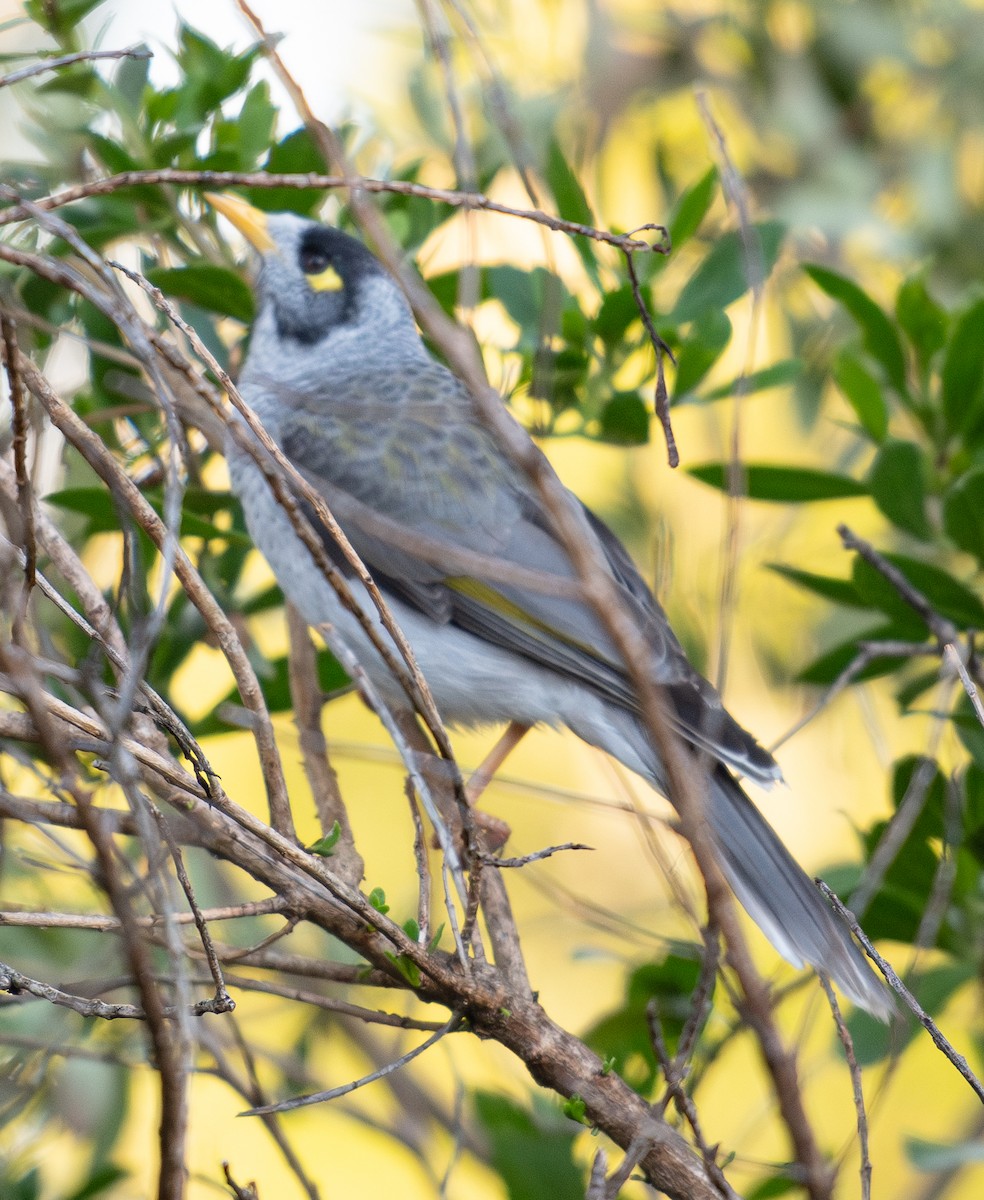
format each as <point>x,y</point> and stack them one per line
<point>340,378</point>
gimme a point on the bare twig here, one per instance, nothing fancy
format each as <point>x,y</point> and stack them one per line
<point>212,180</point>
<point>308,700</point>
<point>8,334</point>
<point>68,60</point>
<point>943,630</point>
<point>450,1026</point>
<point>661,398</point>
<point>939,1040</point>
<point>538,855</point>
<point>854,1067</point>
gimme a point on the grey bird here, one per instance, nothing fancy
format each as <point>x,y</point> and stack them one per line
<point>341,380</point>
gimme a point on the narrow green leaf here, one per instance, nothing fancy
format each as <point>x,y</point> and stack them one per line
<point>936,1157</point>
<point>864,395</point>
<point>829,665</point>
<point>572,204</point>
<point>840,591</point>
<point>922,319</point>
<point>777,375</point>
<point>211,287</point>
<point>723,275</point>
<point>790,485</point>
<point>948,596</point>
<point>963,512</point>
<point>896,482</point>
<point>709,334</point>
<point>691,209</point>
<point>963,370</point>
<point>881,338</point>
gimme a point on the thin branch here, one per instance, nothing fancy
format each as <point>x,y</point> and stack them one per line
<point>661,397</point>
<point>943,630</point>
<point>8,333</point>
<point>307,703</point>
<point>68,60</point>
<point>495,861</point>
<point>855,1069</point>
<point>942,1044</point>
<point>450,1026</point>
<point>212,180</point>
<point>673,1074</point>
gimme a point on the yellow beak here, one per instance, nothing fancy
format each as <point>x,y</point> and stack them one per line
<point>251,222</point>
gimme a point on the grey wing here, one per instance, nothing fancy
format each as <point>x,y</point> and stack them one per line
<point>425,494</point>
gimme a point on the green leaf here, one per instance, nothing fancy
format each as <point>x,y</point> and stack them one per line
<point>777,1185</point>
<point>96,504</point>
<point>691,209</point>
<point>936,1157</point>
<point>840,591</point>
<point>962,379</point>
<point>298,154</point>
<point>969,729</point>
<point>255,123</point>
<point>522,294</point>
<point>572,204</point>
<point>922,319</point>
<point>777,375</point>
<point>881,338</point>
<point>896,482</point>
<point>406,967</point>
<point>723,275</point>
<point>948,596</point>
<point>326,846</point>
<point>617,312</point>
<point>531,1151</point>
<point>62,17</point>
<point>625,420</point>
<point>275,680</point>
<point>825,669</point>
<point>214,288</point>
<point>963,512</point>
<point>107,218</point>
<point>709,335</point>
<point>622,1034</point>
<point>130,80</point>
<point>864,394</point>
<point>377,898</point>
<point>210,75</point>
<point>789,485</point>
<point>101,1178</point>
<point>576,1109</point>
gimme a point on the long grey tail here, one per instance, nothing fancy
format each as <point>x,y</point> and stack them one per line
<point>782,900</point>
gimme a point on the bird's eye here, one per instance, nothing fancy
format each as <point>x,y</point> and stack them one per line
<point>314,261</point>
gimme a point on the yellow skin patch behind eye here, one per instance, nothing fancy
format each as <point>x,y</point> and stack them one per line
<point>327,280</point>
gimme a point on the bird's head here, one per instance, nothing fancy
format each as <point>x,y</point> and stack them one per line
<point>314,281</point>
